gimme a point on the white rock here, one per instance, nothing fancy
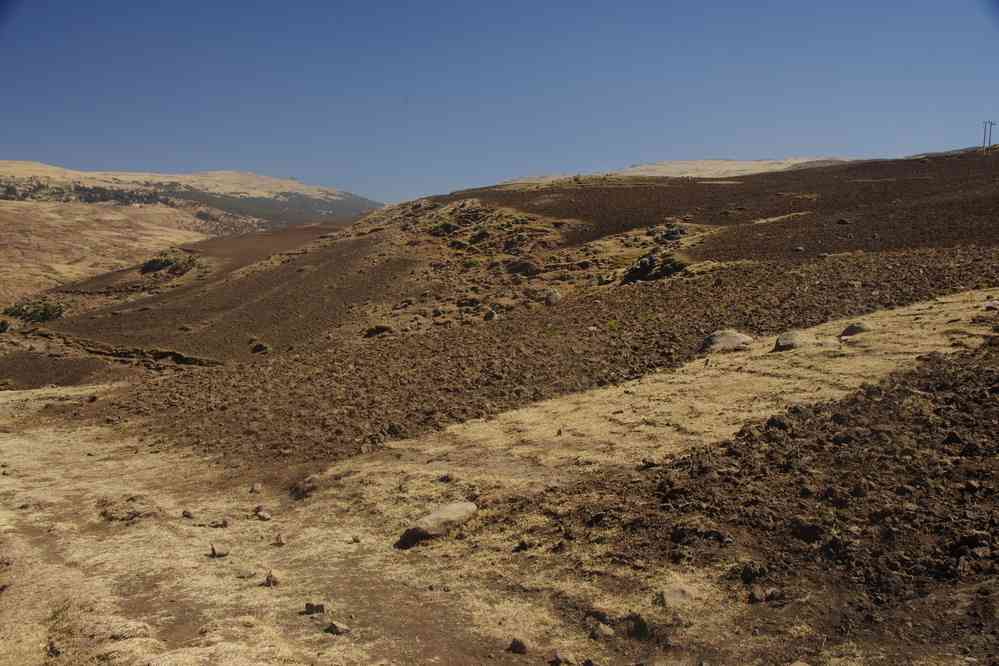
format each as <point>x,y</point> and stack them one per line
<point>437,524</point>
<point>726,340</point>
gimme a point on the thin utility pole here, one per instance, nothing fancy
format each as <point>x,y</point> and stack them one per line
<point>987,126</point>
<point>992,124</point>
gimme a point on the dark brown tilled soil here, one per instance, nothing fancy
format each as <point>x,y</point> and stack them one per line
<point>223,317</point>
<point>938,221</point>
<point>30,370</point>
<point>331,403</point>
<point>871,520</point>
<point>929,188</point>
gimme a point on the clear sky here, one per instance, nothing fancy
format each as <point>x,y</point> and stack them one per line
<point>394,100</point>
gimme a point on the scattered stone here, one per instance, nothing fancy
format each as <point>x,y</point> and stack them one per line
<point>218,552</point>
<point>128,510</point>
<point>337,629</point>
<point>256,489</point>
<point>559,658</point>
<point>260,348</point>
<point>304,488</point>
<point>271,580</point>
<point>278,540</point>
<point>220,523</point>
<point>777,422</point>
<point>437,524</point>
<point>726,340</point>
<point>525,266</point>
<point>637,627</point>
<point>314,609</point>
<point>263,515</point>
<point>601,632</point>
<point>653,266</point>
<point>806,531</point>
<point>490,315</point>
<point>552,296</point>
<point>186,514</point>
<point>790,340</point>
<point>378,329</point>
<point>799,248</point>
<point>757,595</point>
<point>992,306</point>
<point>517,646</point>
<point>855,328</point>
<point>751,572</point>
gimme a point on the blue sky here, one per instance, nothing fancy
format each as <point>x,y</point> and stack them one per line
<point>396,100</point>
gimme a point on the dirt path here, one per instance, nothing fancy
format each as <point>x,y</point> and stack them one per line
<point>99,563</point>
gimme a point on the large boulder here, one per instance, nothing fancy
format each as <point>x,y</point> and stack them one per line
<point>726,340</point>
<point>856,328</point>
<point>524,266</point>
<point>437,524</point>
<point>791,340</point>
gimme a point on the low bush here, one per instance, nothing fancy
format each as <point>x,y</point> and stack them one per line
<point>174,261</point>
<point>36,310</point>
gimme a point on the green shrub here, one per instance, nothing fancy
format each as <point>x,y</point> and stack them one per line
<point>175,261</point>
<point>36,310</point>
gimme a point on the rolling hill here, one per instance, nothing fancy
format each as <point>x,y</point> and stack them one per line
<point>58,225</point>
<point>607,419</point>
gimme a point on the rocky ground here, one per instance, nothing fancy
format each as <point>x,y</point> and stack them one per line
<point>566,537</point>
<point>722,513</point>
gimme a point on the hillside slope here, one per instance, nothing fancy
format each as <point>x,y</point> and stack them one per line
<point>58,225</point>
<point>721,168</point>
<point>459,306</point>
<point>47,244</point>
<point>278,201</point>
<point>272,427</point>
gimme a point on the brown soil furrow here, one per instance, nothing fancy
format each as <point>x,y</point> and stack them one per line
<point>146,590</point>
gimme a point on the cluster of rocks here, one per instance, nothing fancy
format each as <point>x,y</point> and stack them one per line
<point>655,265</point>
<point>731,340</point>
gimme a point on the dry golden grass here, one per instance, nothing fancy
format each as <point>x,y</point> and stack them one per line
<point>232,183</point>
<point>695,169</point>
<point>44,244</point>
<point>105,592</point>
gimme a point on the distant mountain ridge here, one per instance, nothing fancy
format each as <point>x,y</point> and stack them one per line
<point>279,201</point>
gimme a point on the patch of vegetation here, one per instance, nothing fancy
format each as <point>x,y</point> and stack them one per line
<point>444,229</point>
<point>283,209</point>
<point>35,310</point>
<point>176,262</point>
